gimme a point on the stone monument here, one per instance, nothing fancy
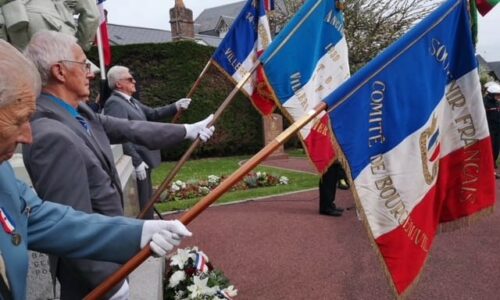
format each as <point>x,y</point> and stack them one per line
<point>181,22</point>
<point>273,126</point>
<point>20,19</point>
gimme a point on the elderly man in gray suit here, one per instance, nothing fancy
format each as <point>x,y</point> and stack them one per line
<point>122,104</point>
<point>70,160</point>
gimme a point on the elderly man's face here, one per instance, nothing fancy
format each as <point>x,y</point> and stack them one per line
<point>77,76</point>
<point>14,122</point>
<point>127,84</point>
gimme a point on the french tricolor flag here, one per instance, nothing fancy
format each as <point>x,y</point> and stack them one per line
<point>411,125</point>
<point>201,262</point>
<point>103,27</point>
<point>7,222</point>
<point>243,44</point>
<point>304,64</point>
<point>269,5</point>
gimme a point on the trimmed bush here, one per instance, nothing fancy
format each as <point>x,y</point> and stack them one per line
<point>166,72</point>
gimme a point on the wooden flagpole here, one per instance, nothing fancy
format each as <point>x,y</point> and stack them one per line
<point>190,215</point>
<point>156,196</point>
<point>191,91</point>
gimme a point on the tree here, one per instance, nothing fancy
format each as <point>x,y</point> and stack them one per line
<point>370,25</point>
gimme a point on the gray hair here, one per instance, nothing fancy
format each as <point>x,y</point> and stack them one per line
<point>115,74</point>
<point>16,72</point>
<point>46,48</point>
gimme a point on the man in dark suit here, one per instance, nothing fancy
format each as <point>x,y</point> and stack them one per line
<point>328,184</point>
<point>70,160</point>
<point>121,104</point>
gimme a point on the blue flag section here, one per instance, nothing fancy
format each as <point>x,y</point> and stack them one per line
<point>304,64</point>
<point>291,60</point>
<point>412,128</point>
<point>239,41</point>
<point>248,37</point>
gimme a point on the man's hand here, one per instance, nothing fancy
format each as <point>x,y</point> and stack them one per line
<point>163,236</point>
<point>182,103</point>
<point>140,171</point>
<point>200,129</point>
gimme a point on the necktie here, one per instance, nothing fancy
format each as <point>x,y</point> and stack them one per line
<point>133,103</point>
<point>84,123</point>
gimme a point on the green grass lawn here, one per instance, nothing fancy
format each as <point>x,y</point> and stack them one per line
<point>200,169</point>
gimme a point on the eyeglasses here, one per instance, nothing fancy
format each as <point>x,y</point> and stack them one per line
<point>87,65</point>
<point>129,79</point>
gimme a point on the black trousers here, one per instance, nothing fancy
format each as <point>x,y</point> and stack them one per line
<point>145,191</point>
<point>495,143</point>
<point>328,186</point>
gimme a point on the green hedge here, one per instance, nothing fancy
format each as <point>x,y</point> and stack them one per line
<point>166,72</point>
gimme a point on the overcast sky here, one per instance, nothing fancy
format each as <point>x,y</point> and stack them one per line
<point>155,14</point>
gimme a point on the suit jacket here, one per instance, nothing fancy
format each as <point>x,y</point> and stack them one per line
<point>57,229</point>
<point>118,106</point>
<point>68,166</point>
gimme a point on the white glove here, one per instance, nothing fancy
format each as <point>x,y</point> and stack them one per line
<point>163,236</point>
<point>201,129</point>
<point>140,171</point>
<point>182,103</point>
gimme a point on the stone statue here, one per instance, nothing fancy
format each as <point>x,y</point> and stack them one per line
<point>20,19</point>
<point>179,3</point>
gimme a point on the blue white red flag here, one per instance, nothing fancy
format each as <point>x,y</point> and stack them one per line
<point>8,224</point>
<point>269,5</point>
<point>103,27</point>
<point>411,125</point>
<point>245,41</point>
<point>303,65</point>
<point>201,262</point>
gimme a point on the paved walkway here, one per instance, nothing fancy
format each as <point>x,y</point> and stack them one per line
<point>281,248</point>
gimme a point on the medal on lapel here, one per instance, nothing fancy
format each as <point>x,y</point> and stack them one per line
<point>9,227</point>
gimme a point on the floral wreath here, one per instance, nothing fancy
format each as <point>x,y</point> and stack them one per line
<point>190,275</point>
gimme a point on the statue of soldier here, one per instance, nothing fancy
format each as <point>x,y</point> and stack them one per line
<point>20,19</point>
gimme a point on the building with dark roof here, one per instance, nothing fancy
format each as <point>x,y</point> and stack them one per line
<point>128,35</point>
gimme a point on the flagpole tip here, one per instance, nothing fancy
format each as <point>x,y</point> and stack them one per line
<point>340,5</point>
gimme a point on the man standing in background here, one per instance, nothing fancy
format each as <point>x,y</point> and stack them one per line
<point>122,104</point>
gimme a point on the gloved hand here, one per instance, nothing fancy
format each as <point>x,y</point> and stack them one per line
<point>140,171</point>
<point>163,236</point>
<point>201,129</point>
<point>182,103</point>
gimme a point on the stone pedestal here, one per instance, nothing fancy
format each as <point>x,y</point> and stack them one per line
<point>273,126</point>
<point>181,23</point>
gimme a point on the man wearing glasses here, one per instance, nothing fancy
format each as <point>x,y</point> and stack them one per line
<point>70,160</point>
<point>122,104</point>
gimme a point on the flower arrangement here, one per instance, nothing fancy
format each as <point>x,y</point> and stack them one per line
<point>190,275</point>
<point>184,190</point>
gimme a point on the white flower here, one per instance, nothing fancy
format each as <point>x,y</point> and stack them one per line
<point>180,184</point>
<point>177,277</point>
<point>213,179</point>
<point>174,188</point>
<point>258,174</point>
<point>179,295</point>
<point>231,291</point>
<point>200,288</point>
<point>204,190</point>
<point>283,180</point>
<point>181,258</point>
